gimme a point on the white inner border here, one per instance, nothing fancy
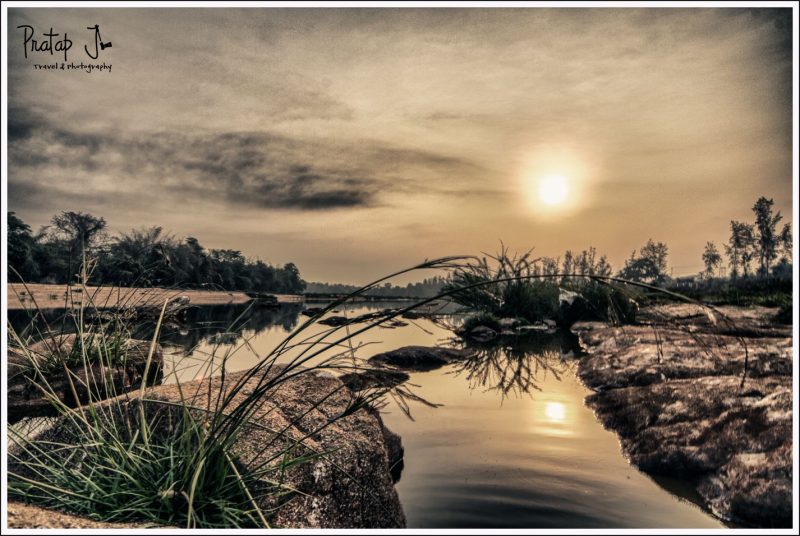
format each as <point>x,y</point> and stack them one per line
<point>439,4</point>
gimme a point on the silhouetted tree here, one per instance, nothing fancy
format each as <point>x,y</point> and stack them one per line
<point>650,266</point>
<point>786,242</point>
<point>767,239</point>
<point>740,248</point>
<point>21,250</point>
<point>143,257</point>
<point>711,259</point>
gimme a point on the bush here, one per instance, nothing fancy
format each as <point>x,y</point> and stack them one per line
<point>481,319</point>
<point>607,303</point>
<point>507,288</point>
<point>532,300</point>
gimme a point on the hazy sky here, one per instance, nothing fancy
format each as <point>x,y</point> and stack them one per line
<point>357,141</point>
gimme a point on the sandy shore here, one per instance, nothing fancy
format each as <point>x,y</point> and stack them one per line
<point>61,296</point>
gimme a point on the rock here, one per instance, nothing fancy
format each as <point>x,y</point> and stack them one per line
<point>539,326</point>
<point>372,378</point>
<point>507,323</point>
<point>27,516</point>
<point>394,451</point>
<point>671,390</point>
<point>335,321</point>
<point>25,399</point>
<point>420,358</point>
<point>571,308</point>
<point>347,483</point>
<point>641,355</point>
<point>482,334</point>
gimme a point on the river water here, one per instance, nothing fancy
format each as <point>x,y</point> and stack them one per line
<point>507,441</point>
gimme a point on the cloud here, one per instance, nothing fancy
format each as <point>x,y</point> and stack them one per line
<point>254,169</point>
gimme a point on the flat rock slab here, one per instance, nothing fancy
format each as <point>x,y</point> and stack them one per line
<point>348,484</point>
<point>420,358</point>
<point>673,394</point>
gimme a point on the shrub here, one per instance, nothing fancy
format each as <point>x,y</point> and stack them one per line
<point>481,319</point>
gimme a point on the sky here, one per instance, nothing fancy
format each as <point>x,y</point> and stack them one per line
<point>355,142</point>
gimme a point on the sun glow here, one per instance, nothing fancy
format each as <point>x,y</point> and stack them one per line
<point>555,412</point>
<point>554,181</point>
<point>553,189</point>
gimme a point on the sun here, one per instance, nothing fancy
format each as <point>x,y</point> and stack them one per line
<point>553,189</point>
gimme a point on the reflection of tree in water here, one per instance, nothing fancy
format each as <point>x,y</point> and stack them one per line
<point>514,366</point>
<point>223,324</point>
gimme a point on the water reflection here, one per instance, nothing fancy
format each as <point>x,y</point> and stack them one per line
<point>212,324</point>
<point>224,324</point>
<point>555,412</point>
<point>515,366</point>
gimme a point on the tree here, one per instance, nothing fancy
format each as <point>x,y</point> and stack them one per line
<point>711,259</point>
<point>650,266</point>
<point>80,230</point>
<point>740,248</point>
<point>786,242</point>
<point>767,240</point>
<point>21,249</point>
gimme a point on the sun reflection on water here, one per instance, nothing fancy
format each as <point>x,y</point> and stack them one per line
<point>555,412</point>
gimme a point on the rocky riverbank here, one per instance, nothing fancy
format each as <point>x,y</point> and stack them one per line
<point>671,388</point>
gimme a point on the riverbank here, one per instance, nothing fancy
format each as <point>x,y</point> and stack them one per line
<point>671,388</point>
<point>42,296</point>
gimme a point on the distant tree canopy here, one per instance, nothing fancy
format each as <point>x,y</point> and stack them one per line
<point>712,260</point>
<point>143,257</point>
<point>650,266</point>
<point>423,289</point>
<point>760,241</point>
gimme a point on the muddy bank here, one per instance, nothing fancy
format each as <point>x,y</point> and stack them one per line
<point>671,388</point>
<point>347,484</point>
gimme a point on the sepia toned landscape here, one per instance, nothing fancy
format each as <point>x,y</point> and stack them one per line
<point>525,267</point>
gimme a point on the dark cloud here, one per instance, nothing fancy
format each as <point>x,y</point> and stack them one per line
<point>254,169</point>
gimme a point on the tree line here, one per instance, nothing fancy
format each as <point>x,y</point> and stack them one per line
<point>426,288</point>
<point>759,243</point>
<point>151,257</point>
<point>147,257</point>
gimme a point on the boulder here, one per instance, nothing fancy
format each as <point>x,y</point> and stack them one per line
<point>374,378</point>
<point>335,321</point>
<point>346,483</point>
<point>482,334</point>
<point>571,308</point>
<point>420,358</point>
<point>96,381</point>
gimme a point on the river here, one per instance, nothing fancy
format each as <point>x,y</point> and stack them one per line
<point>507,441</point>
